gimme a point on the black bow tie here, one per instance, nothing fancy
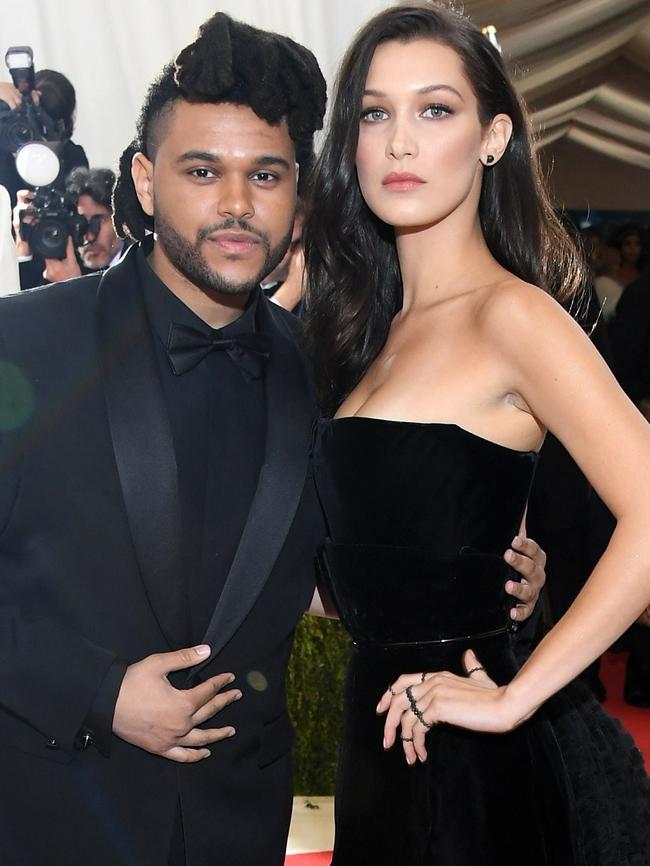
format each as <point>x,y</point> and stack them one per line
<point>187,346</point>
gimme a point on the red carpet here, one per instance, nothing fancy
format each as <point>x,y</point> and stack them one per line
<point>636,721</point>
<point>323,858</point>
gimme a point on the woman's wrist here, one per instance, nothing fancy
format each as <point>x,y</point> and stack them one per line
<point>519,703</point>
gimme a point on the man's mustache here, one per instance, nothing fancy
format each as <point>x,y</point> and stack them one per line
<point>205,232</point>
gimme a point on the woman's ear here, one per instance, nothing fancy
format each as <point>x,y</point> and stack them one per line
<point>142,174</point>
<point>496,139</point>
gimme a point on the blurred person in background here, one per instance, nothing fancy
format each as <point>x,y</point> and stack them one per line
<point>607,263</point>
<point>8,262</point>
<point>285,284</point>
<point>604,262</point>
<point>629,242</point>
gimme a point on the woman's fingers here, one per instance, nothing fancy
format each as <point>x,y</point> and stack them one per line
<point>475,670</point>
<point>416,702</point>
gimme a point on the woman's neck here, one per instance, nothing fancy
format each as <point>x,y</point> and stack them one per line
<point>440,261</point>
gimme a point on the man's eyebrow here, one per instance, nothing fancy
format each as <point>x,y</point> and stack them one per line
<point>428,89</point>
<point>266,159</point>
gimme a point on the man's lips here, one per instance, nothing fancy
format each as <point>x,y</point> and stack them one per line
<point>234,242</point>
<point>401,181</point>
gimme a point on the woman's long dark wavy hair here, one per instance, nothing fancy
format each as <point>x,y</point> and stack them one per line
<point>354,283</point>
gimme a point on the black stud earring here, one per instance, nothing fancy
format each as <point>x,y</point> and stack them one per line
<point>489,159</point>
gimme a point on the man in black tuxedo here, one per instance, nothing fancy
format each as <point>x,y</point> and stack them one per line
<point>157,515</point>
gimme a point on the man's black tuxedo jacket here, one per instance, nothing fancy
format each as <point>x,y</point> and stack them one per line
<point>89,574</point>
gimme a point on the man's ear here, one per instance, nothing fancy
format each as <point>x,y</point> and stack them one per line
<point>142,174</point>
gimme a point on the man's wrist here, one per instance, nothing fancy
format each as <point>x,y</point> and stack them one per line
<point>97,728</point>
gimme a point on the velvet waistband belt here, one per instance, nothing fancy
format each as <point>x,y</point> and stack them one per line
<point>404,597</point>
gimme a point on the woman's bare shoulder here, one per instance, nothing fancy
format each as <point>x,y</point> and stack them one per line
<point>514,310</point>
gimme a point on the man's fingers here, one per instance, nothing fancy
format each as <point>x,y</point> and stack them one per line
<point>181,659</point>
<point>182,755</point>
<point>521,591</point>
<point>521,564</point>
<point>199,737</point>
<point>211,708</point>
<point>204,692</point>
<point>530,548</point>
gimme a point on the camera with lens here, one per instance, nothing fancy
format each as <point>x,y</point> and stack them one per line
<point>29,134</point>
<point>29,122</point>
<point>53,217</point>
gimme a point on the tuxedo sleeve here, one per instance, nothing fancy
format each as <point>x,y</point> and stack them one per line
<point>98,724</point>
<point>529,633</point>
<point>50,674</point>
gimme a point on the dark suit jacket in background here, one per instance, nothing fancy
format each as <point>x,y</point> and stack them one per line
<point>89,575</point>
<point>630,335</point>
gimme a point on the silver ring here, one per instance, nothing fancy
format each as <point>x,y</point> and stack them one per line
<point>406,739</point>
<point>423,676</point>
<point>390,689</point>
<point>473,670</point>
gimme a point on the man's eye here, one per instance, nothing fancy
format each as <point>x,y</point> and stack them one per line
<point>202,173</point>
<point>264,176</point>
<point>373,115</point>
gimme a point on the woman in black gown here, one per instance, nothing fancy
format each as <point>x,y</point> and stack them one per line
<point>443,364</point>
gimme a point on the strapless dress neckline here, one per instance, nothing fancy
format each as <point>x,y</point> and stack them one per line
<point>452,425</point>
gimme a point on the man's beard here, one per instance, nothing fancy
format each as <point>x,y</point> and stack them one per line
<point>188,258</point>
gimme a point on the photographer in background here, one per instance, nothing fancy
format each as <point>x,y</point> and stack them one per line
<point>99,247</point>
<point>55,95</point>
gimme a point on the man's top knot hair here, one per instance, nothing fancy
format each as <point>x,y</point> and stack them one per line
<point>192,76</point>
<point>276,77</point>
<point>239,64</point>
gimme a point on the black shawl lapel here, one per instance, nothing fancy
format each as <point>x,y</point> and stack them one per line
<point>142,441</point>
<point>289,416</point>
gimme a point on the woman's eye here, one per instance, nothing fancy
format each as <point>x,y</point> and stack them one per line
<point>372,115</point>
<point>437,111</point>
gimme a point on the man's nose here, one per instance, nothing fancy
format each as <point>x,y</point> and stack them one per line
<point>235,199</point>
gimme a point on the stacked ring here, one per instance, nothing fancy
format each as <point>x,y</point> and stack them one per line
<point>417,712</point>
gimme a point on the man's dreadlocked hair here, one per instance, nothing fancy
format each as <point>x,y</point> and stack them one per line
<point>228,62</point>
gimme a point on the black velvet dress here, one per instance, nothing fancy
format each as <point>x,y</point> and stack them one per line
<point>419,515</point>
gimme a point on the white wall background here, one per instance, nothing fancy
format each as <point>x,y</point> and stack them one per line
<point>582,65</point>
<point>112,49</point>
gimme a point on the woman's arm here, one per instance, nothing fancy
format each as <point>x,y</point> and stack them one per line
<point>571,391</point>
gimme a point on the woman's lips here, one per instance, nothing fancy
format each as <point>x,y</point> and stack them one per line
<point>401,181</point>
